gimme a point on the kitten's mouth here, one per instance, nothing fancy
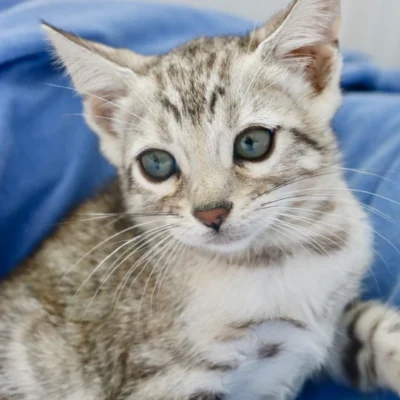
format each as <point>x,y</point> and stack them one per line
<point>228,241</point>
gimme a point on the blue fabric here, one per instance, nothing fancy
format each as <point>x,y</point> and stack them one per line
<point>49,161</point>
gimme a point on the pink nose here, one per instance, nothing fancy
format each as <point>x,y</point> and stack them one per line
<point>214,217</point>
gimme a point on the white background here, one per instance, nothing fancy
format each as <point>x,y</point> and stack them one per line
<point>369,25</point>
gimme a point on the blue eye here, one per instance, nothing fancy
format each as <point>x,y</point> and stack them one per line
<point>254,144</point>
<point>158,165</point>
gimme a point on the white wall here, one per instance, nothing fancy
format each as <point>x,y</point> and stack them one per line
<point>369,25</point>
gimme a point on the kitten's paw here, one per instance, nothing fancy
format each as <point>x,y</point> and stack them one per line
<point>252,342</point>
<point>386,346</point>
<point>282,355</point>
<point>372,357</point>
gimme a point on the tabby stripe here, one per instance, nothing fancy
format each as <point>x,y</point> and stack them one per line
<point>172,108</point>
<point>303,137</point>
<point>352,350</point>
<point>218,91</point>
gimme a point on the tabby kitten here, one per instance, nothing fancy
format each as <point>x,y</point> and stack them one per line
<point>231,268</point>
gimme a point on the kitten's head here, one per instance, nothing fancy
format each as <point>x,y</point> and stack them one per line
<point>225,133</point>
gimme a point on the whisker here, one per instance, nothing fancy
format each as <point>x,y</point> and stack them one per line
<point>102,243</point>
<point>76,221</point>
<point>270,237</point>
<point>260,68</point>
<point>165,249</point>
<point>140,238</point>
<point>308,210</point>
<point>102,117</point>
<point>311,175</point>
<point>113,221</point>
<point>345,189</point>
<point>176,245</point>
<point>100,264</point>
<point>386,240</point>
<point>299,178</point>
<point>395,292</point>
<point>371,268</point>
<point>143,241</point>
<point>123,213</point>
<point>268,204</point>
<point>319,222</point>
<point>120,261</point>
<point>273,43</point>
<point>366,172</point>
<point>102,99</point>
<point>128,84</point>
<point>175,260</point>
<point>278,229</point>
<point>260,94</point>
<point>140,261</point>
<point>344,242</point>
<point>151,255</point>
<point>340,239</point>
<point>241,73</point>
<point>314,243</point>
<point>320,197</point>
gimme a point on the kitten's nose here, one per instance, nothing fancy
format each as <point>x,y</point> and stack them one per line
<point>213,217</point>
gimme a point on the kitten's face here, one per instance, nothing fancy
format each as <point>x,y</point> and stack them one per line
<point>226,135</point>
<point>202,110</point>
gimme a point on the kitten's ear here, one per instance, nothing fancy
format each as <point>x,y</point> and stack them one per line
<point>103,76</point>
<point>305,35</point>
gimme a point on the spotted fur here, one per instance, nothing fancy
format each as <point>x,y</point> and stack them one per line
<point>132,298</point>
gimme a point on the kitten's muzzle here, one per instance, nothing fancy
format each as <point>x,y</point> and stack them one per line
<point>214,216</point>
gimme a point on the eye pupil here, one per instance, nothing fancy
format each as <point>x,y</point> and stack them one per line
<point>253,144</point>
<point>249,142</point>
<point>158,165</point>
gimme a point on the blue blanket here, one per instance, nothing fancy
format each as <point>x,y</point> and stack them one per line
<point>49,161</point>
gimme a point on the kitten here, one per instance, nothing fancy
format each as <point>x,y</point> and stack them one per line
<point>231,268</point>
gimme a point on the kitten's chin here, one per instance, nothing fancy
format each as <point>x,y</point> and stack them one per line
<point>220,243</point>
<point>232,247</point>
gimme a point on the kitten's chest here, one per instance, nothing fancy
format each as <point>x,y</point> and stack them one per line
<point>308,291</point>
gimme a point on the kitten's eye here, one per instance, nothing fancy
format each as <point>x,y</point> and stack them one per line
<point>254,144</point>
<point>158,165</point>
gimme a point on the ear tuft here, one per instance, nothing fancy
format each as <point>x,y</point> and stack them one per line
<point>305,35</point>
<point>93,67</point>
<point>100,74</point>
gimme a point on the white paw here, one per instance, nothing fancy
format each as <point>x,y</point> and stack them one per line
<point>386,348</point>
<point>284,356</point>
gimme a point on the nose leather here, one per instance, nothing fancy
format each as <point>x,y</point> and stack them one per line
<point>213,217</point>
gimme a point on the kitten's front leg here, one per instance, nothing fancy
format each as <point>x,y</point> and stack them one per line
<point>268,361</point>
<point>38,361</point>
<point>367,350</point>
<point>180,382</point>
<point>280,356</point>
